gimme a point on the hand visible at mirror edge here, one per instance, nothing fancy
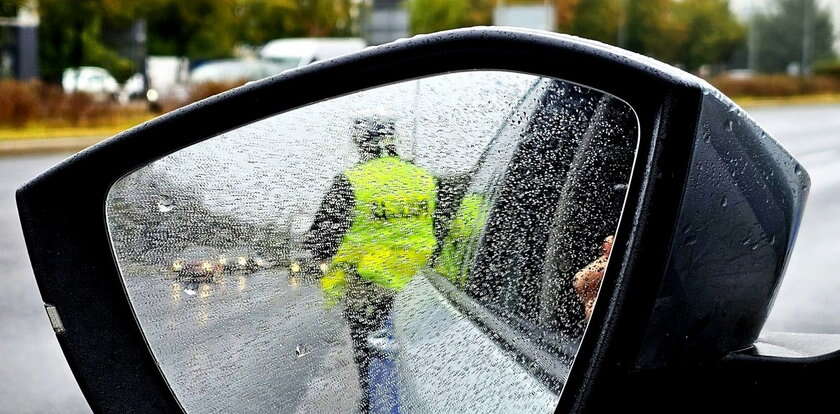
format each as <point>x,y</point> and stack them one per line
<point>588,280</point>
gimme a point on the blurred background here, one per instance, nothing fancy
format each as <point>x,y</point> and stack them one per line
<point>75,72</point>
<point>92,67</point>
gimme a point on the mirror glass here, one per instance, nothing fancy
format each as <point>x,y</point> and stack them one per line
<point>433,245</point>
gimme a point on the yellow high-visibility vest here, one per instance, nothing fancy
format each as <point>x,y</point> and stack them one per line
<point>458,249</point>
<point>391,236</point>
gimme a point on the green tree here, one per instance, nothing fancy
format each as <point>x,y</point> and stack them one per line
<point>706,32</point>
<point>94,32</point>
<point>638,25</point>
<point>71,35</point>
<point>259,21</point>
<point>320,18</point>
<point>9,8</point>
<point>597,19</point>
<point>564,14</point>
<point>210,29</point>
<point>792,25</point>
<point>687,32</point>
<point>648,26</point>
<point>197,29</point>
<point>434,15</point>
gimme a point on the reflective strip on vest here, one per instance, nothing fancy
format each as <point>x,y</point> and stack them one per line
<point>391,236</point>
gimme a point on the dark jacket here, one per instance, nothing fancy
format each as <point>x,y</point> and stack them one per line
<point>332,220</point>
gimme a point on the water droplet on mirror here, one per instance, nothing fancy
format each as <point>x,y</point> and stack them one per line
<point>301,350</point>
<point>165,204</point>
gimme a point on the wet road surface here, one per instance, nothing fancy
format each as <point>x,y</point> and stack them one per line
<point>808,298</point>
<point>272,327</point>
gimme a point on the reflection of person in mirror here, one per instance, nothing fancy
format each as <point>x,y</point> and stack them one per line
<point>588,280</point>
<point>374,229</point>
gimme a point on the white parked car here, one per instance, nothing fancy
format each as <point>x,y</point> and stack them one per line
<point>133,88</point>
<point>232,70</point>
<point>90,79</point>
<point>292,53</point>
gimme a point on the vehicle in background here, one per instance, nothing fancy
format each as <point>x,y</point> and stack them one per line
<point>233,70</point>
<point>301,263</point>
<point>92,80</point>
<point>167,77</point>
<point>245,260</point>
<point>198,264</point>
<point>740,73</point>
<point>134,88</point>
<point>292,53</point>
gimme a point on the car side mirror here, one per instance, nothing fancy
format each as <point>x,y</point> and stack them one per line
<point>423,225</point>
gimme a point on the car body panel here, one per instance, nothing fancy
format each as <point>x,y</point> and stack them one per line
<point>443,355</point>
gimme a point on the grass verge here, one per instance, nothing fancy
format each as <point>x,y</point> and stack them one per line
<point>40,130</point>
<point>813,99</point>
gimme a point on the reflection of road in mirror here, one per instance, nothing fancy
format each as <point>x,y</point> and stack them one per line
<point>294,281</point>
<point>175,292</point>
<point>204,290</point>
<point>268,328</point>
<point>241,283</point>
<point>202,315</point>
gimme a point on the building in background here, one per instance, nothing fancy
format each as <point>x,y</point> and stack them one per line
<point>531,16</point>
<point>387,20</point>
<point>19,44</point>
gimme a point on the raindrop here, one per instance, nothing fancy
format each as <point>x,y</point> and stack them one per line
<point>691,241</point>
<point>797,169</point>
<point>165,204</point>
<point>724,201</point>
<point>730,125</point>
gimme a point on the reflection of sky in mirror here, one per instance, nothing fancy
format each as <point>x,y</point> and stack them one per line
<point>280,167</point>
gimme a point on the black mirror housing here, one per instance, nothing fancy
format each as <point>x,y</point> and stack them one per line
<point>743,202</point>
<point>710,219</point>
